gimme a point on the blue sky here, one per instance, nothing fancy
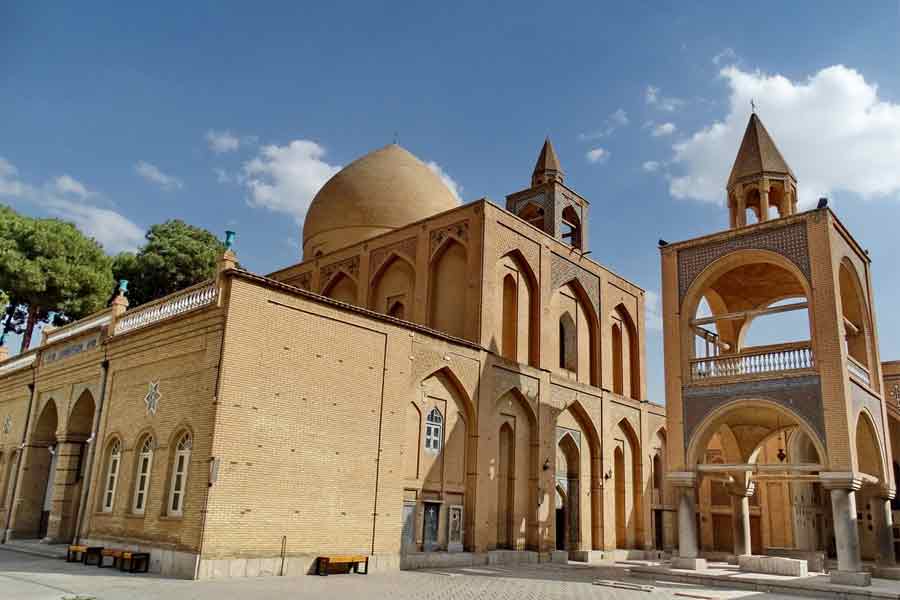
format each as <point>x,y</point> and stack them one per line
<point>229,116</point>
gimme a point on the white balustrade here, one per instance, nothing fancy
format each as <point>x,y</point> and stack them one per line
<point>788,357</point>
<point>168,307</point>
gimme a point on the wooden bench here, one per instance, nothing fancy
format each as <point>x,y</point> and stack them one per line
<point>354,560</point>
<point>83,553</point>
<point>120,557</point>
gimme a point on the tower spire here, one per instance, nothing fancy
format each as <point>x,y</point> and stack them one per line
<point>760,171</point>
<point>547,167</point>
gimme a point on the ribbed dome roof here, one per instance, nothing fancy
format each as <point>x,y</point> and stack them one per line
<point>384,190</point>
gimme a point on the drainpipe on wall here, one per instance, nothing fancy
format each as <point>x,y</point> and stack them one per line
<point>94,441</point>
<point>12,494</point>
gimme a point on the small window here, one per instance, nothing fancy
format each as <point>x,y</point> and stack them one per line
<point>434,430</point>
<point>182,460</point>
<point>112,475</point>
<point>142,479</point>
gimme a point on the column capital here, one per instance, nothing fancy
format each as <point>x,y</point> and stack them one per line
<point>887,493</point>
<point>683,479</point>
<point>844,480</point>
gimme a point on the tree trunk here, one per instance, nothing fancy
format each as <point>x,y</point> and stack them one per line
<point>29,327</point>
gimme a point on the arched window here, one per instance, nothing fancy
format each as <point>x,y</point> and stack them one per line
<point>434,430</point>
<point>142,476</point>
<point>568,343</point>
<point>510,316</point>
<point>657,472</point>
<point>571,227</point>
<point>180,463</point>
<point>618,360</point>
<point>112,475</point>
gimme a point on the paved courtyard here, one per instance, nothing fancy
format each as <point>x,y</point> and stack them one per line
<point>26,577</point>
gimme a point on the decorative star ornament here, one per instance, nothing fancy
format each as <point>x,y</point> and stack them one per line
<point>7,424</point>
<point>895,393</point>
<point>152,398</point>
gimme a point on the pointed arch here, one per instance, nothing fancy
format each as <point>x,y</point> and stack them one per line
<point>448,288</point>
<point>868,445</point>
<point>516,460</point>
<point>629,487</point>
<point>341,287</point>
<point>525,309</point>
<point>626,354</point>
<point>855,312</point>
<point>586,314</point>
<point>47,423</point>
<point>393,284</point>
<point>80,420</point>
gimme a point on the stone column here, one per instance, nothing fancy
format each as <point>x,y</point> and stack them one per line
<point>764,201</point>
<point>66,488</point>
<point>740,522</point>
<point>688,548</point>
<point>741,207</point>
<point>884,528</point>
<point>843,487</point>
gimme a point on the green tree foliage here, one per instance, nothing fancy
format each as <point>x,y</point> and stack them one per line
<point>49,271</point>
<point>176,255</point>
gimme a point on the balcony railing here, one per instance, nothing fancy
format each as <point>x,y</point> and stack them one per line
<point>754,361</point>
<point>858,371</point>
<point>178,303</point>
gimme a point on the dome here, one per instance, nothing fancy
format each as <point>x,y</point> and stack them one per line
<point>382,191</point>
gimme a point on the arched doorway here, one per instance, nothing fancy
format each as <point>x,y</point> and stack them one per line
<point>73,460</point>
<point>568,511</point>
<point>35,495</point>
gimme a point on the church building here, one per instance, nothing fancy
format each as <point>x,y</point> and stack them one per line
<point>434,383</point>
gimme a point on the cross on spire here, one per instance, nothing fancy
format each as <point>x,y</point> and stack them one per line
<point>753,106</point>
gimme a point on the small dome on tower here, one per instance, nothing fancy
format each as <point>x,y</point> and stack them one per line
<point>381,191</point>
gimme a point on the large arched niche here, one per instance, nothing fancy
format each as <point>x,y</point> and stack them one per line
<point>766,416</point>
<point>869,457</point>
<point>81,417</point>
<point>519,309</point>
<point>451,468</point>
<point>341,287</point>
<point>575,418</point>
<point>393,287</point>
<point>628,485</point>
<point>739,281</point>
<point>514,467</point>
<point>571,297</point>
<point>626,354</point>
<point>448,285</point>
<point>855,312</point>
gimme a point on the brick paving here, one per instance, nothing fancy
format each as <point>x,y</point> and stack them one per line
<point>25,577</point>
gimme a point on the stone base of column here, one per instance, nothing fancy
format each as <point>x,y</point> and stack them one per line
<point>857,578</point>
<point>693,564</point>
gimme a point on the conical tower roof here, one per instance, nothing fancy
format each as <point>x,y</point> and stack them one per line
<point>547,167</point>
<point>758,154</point>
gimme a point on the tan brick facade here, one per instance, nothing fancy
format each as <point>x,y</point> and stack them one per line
<point>463,384</point>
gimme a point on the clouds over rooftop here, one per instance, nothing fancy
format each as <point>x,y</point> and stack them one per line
<point>833,129</point>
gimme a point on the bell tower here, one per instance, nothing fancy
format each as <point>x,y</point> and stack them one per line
<point>795,413</point>
<point>760,179</point>
<point>551,206</point>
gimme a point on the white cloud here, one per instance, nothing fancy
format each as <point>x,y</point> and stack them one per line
<point>725,55</point>
<point>653,311</point>
<point>151,172</point>
<point>832,128</point>
<point>650,166</point>
<point>451,183</point>
<point>286,178</point>
<point>664,129</point>
<point>666,103</point>
<point>222,141</point>
<point>223,176</point>
<point>610,124</point>
<point>65,197</point>
<point>597,155</point>
<point>68,185</point>
<point>620,117</point>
